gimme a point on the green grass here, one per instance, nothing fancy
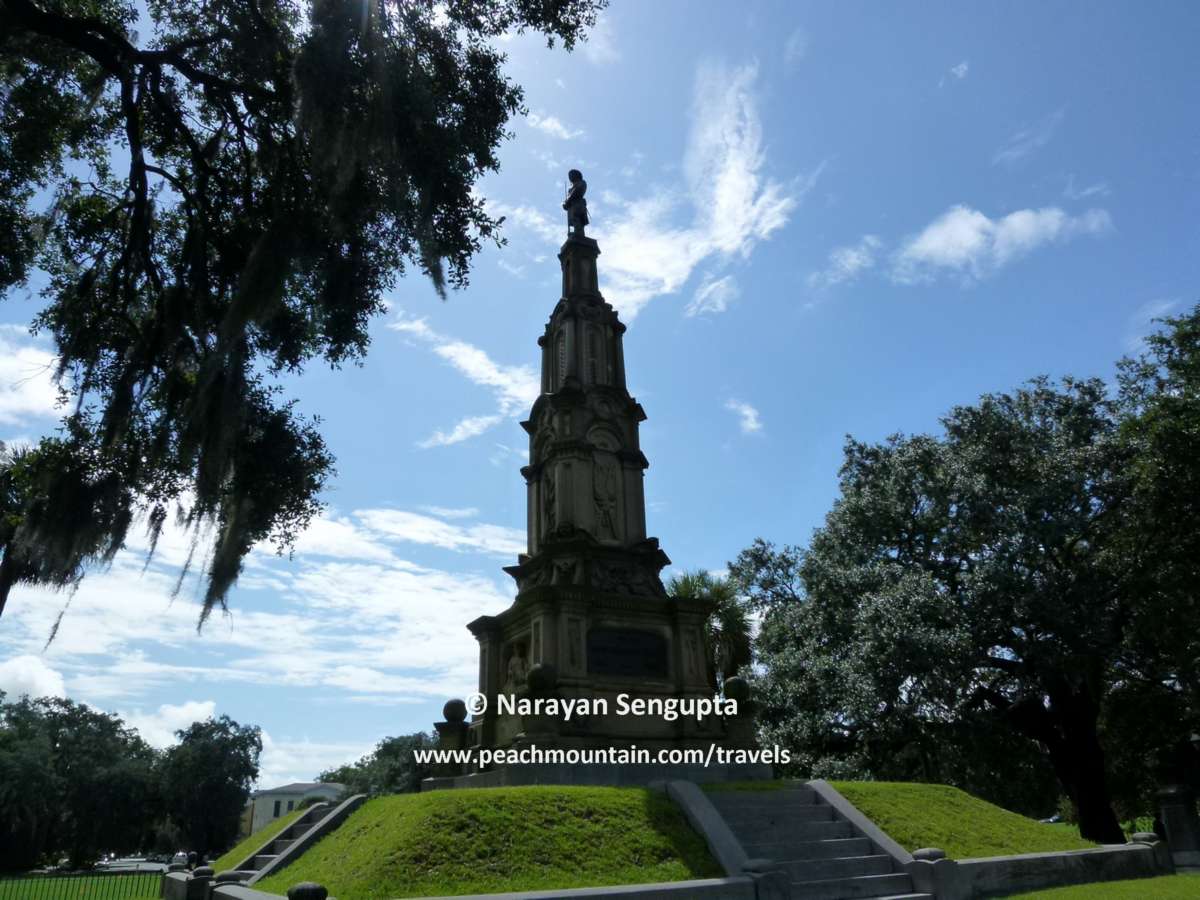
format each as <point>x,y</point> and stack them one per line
<point>502,839</point>
<point>935,815</point>
<point>256,840</point>
<point>140,886</point>
<point>1166,887</point>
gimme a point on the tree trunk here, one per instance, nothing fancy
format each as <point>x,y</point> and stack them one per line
<point>1085,762</point>
<point>1067,729</point>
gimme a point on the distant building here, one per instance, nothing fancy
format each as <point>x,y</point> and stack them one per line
<point>271,804</point>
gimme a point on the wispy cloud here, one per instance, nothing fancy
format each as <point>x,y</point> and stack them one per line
<point>725,206</point>
<point>1028,139</point>
<point>27,390</point>
<point>847,263</point>
<point>514,387</point>
<point>553,126</point>
<point>600,46</point>
<point>795,48</point>
<point>965,242</point>
<point>1142,323</point>
<point>960,71</point>
<point>713,296</point>
<point>748,418</point>
<point>1098,189</point>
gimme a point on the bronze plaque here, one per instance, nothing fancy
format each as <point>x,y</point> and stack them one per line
<point>626,652</point>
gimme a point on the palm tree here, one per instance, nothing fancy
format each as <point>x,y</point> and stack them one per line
<point>728,623</point>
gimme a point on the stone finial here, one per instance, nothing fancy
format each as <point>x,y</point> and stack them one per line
<point>455,711</point>
<point>203,872</point>
<point>932,854</point>
<point>307,890</point>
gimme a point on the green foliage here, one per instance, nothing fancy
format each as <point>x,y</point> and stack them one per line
<point>1024,580</point>
<point>258,175</point>
<point>388,769</point>
<point>502,839</point>
<point>935,815</point>
<point>207,778</point>
<point>72,781</point>
<point>241,851</point>
<point>1166,887</point>
<point>728,624</point>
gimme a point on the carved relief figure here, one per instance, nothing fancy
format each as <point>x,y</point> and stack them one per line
<point>606,487</point>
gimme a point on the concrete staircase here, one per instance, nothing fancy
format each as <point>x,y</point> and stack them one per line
<point>826,857</point>
<point>268,852</point>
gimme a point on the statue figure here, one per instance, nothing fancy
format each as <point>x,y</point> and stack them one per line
<point>518,668</point>
<point>575,205</point>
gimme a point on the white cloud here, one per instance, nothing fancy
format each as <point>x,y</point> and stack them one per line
<point>553,126</point>
<point>514,387</point>
<point>795,48</point>
<point>28,675</point>
<point>966,242</point>
<point>396,524</point>
<point>288,761</point>
<point>158,728</point>
<point>27,389</point>
<point>600,47</point>
<point>1028,139</point>
<point>847,263</point>
<point>750,421</point>
<point>960,71</point>
<point>713,296</point>
<point>733,205</point>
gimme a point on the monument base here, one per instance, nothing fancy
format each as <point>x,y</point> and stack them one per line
<point>600,775</point>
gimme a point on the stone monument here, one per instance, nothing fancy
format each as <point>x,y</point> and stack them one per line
<point>591,619</point>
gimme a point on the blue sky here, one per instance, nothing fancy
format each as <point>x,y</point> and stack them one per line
<point>817,220</point>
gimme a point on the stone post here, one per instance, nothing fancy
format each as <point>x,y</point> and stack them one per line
<point>932,873</point>
<point>1177,808</point>
<point>452,735</point>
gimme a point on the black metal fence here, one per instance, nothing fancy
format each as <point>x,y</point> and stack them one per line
<point>84,886</point>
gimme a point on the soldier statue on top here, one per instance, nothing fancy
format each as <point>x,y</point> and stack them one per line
<point>575,205</point>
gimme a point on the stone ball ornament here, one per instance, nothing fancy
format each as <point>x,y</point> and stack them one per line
<point>542,679</point>
<point>737,688</point>
<point>455,711</point>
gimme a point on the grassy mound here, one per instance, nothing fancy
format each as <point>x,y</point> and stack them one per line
<point>1166,887</point>
<point>502,839</point>
<point>256,840</point>
<point>934,815</point>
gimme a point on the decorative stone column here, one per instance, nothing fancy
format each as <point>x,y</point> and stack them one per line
<point>1177,808</point>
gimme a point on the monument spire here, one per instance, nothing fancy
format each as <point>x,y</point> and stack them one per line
<point>586,496</point>
<point>591,618</point>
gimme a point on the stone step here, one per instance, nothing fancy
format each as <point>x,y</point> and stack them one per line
<point>795,851</point>
<point>852,888</point>
<point>847,867</point>
<point>795,832</point>
<point>906,897</point>
<point>774,815</point>
<point>262,859</point>
<point>728,801</point>
<point>278,846</point>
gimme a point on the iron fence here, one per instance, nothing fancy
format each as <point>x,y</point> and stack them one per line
<point>84,886</point>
